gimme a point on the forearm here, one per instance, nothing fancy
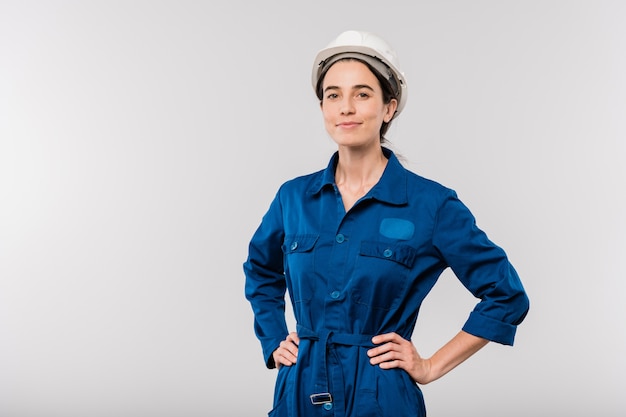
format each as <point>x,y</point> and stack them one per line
<point>452,354</point>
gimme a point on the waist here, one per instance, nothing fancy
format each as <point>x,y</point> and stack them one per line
<point>331,337</point>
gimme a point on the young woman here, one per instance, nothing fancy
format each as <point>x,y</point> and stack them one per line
<point>358,246</point>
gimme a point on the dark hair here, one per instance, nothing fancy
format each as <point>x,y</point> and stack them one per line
<point>385,85</point>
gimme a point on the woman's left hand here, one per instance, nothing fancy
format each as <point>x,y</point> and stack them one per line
<point>393,351</point>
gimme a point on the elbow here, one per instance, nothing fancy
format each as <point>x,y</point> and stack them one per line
<point>522,304</point>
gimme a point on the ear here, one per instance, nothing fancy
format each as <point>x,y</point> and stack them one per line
<point>391,110</point>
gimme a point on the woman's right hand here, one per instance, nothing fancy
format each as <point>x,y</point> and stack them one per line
<point>287,352</point>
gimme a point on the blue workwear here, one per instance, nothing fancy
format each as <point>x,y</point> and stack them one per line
<point>352,275</point>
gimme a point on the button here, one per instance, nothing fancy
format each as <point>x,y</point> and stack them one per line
<point>335,294</point>
<point>387,253</point>
<point>328,406</point>
<point>340,238</point>
<point>294,246</point>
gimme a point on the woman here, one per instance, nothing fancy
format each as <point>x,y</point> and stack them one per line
<point>358,246</point>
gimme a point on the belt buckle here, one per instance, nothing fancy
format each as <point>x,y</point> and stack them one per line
<point>321,398</point>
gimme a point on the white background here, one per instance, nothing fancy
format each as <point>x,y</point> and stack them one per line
<point>142,141</point>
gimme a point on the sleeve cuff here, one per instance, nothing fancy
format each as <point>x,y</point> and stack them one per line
<point>490,329</point>
<point>268,350</point>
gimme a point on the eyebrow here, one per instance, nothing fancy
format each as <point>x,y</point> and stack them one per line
<point>354,87</point>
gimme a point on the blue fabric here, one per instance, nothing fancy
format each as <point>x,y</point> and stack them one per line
<point>366,272</point>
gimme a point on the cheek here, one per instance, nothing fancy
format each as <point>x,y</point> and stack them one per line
<point>327,114</point>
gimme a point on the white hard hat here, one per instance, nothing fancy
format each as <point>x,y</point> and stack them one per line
<point>369,48</point>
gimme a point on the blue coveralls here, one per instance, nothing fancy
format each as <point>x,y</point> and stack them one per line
<point>354,275</point>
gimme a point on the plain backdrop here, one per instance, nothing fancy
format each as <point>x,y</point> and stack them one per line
<point>142,141</point>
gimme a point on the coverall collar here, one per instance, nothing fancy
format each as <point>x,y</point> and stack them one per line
<point>391,188</point>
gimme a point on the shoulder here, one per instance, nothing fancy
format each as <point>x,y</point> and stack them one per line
<point>417,186</point>
<point>301,184</point>
<point>303,181</point>
<point>420,186</point>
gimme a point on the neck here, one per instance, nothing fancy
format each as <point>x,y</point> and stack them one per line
<point>358,169</point>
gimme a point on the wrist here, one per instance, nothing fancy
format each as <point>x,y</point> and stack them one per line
<point>425,375</point>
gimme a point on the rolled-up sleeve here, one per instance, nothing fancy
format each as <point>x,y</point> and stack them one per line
<point>265,284</point>
<point>484,269</point>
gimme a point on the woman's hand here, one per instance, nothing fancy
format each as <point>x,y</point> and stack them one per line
<point>396,352</point>
<point>287,352</point>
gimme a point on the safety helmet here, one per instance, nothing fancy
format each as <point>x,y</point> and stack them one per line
<point>369,48</point>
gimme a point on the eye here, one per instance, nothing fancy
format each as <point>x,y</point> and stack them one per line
<point>331,96</point>
<point>362,94</point>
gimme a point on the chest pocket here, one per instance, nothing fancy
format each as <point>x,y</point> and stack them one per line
<point>299,265</point>
<point>382,274</point>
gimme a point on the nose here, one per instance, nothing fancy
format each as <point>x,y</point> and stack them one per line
<point>347,106</point>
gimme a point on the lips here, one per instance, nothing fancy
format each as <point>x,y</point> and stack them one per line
<point>347,124</point>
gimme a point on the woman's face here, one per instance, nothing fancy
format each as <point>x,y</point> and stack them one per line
<point>352,104</point>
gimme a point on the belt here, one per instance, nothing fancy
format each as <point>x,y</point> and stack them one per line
<point>328,338</point>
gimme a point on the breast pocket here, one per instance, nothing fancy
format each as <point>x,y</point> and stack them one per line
<point>299,265</point>
<point>382,273</point>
